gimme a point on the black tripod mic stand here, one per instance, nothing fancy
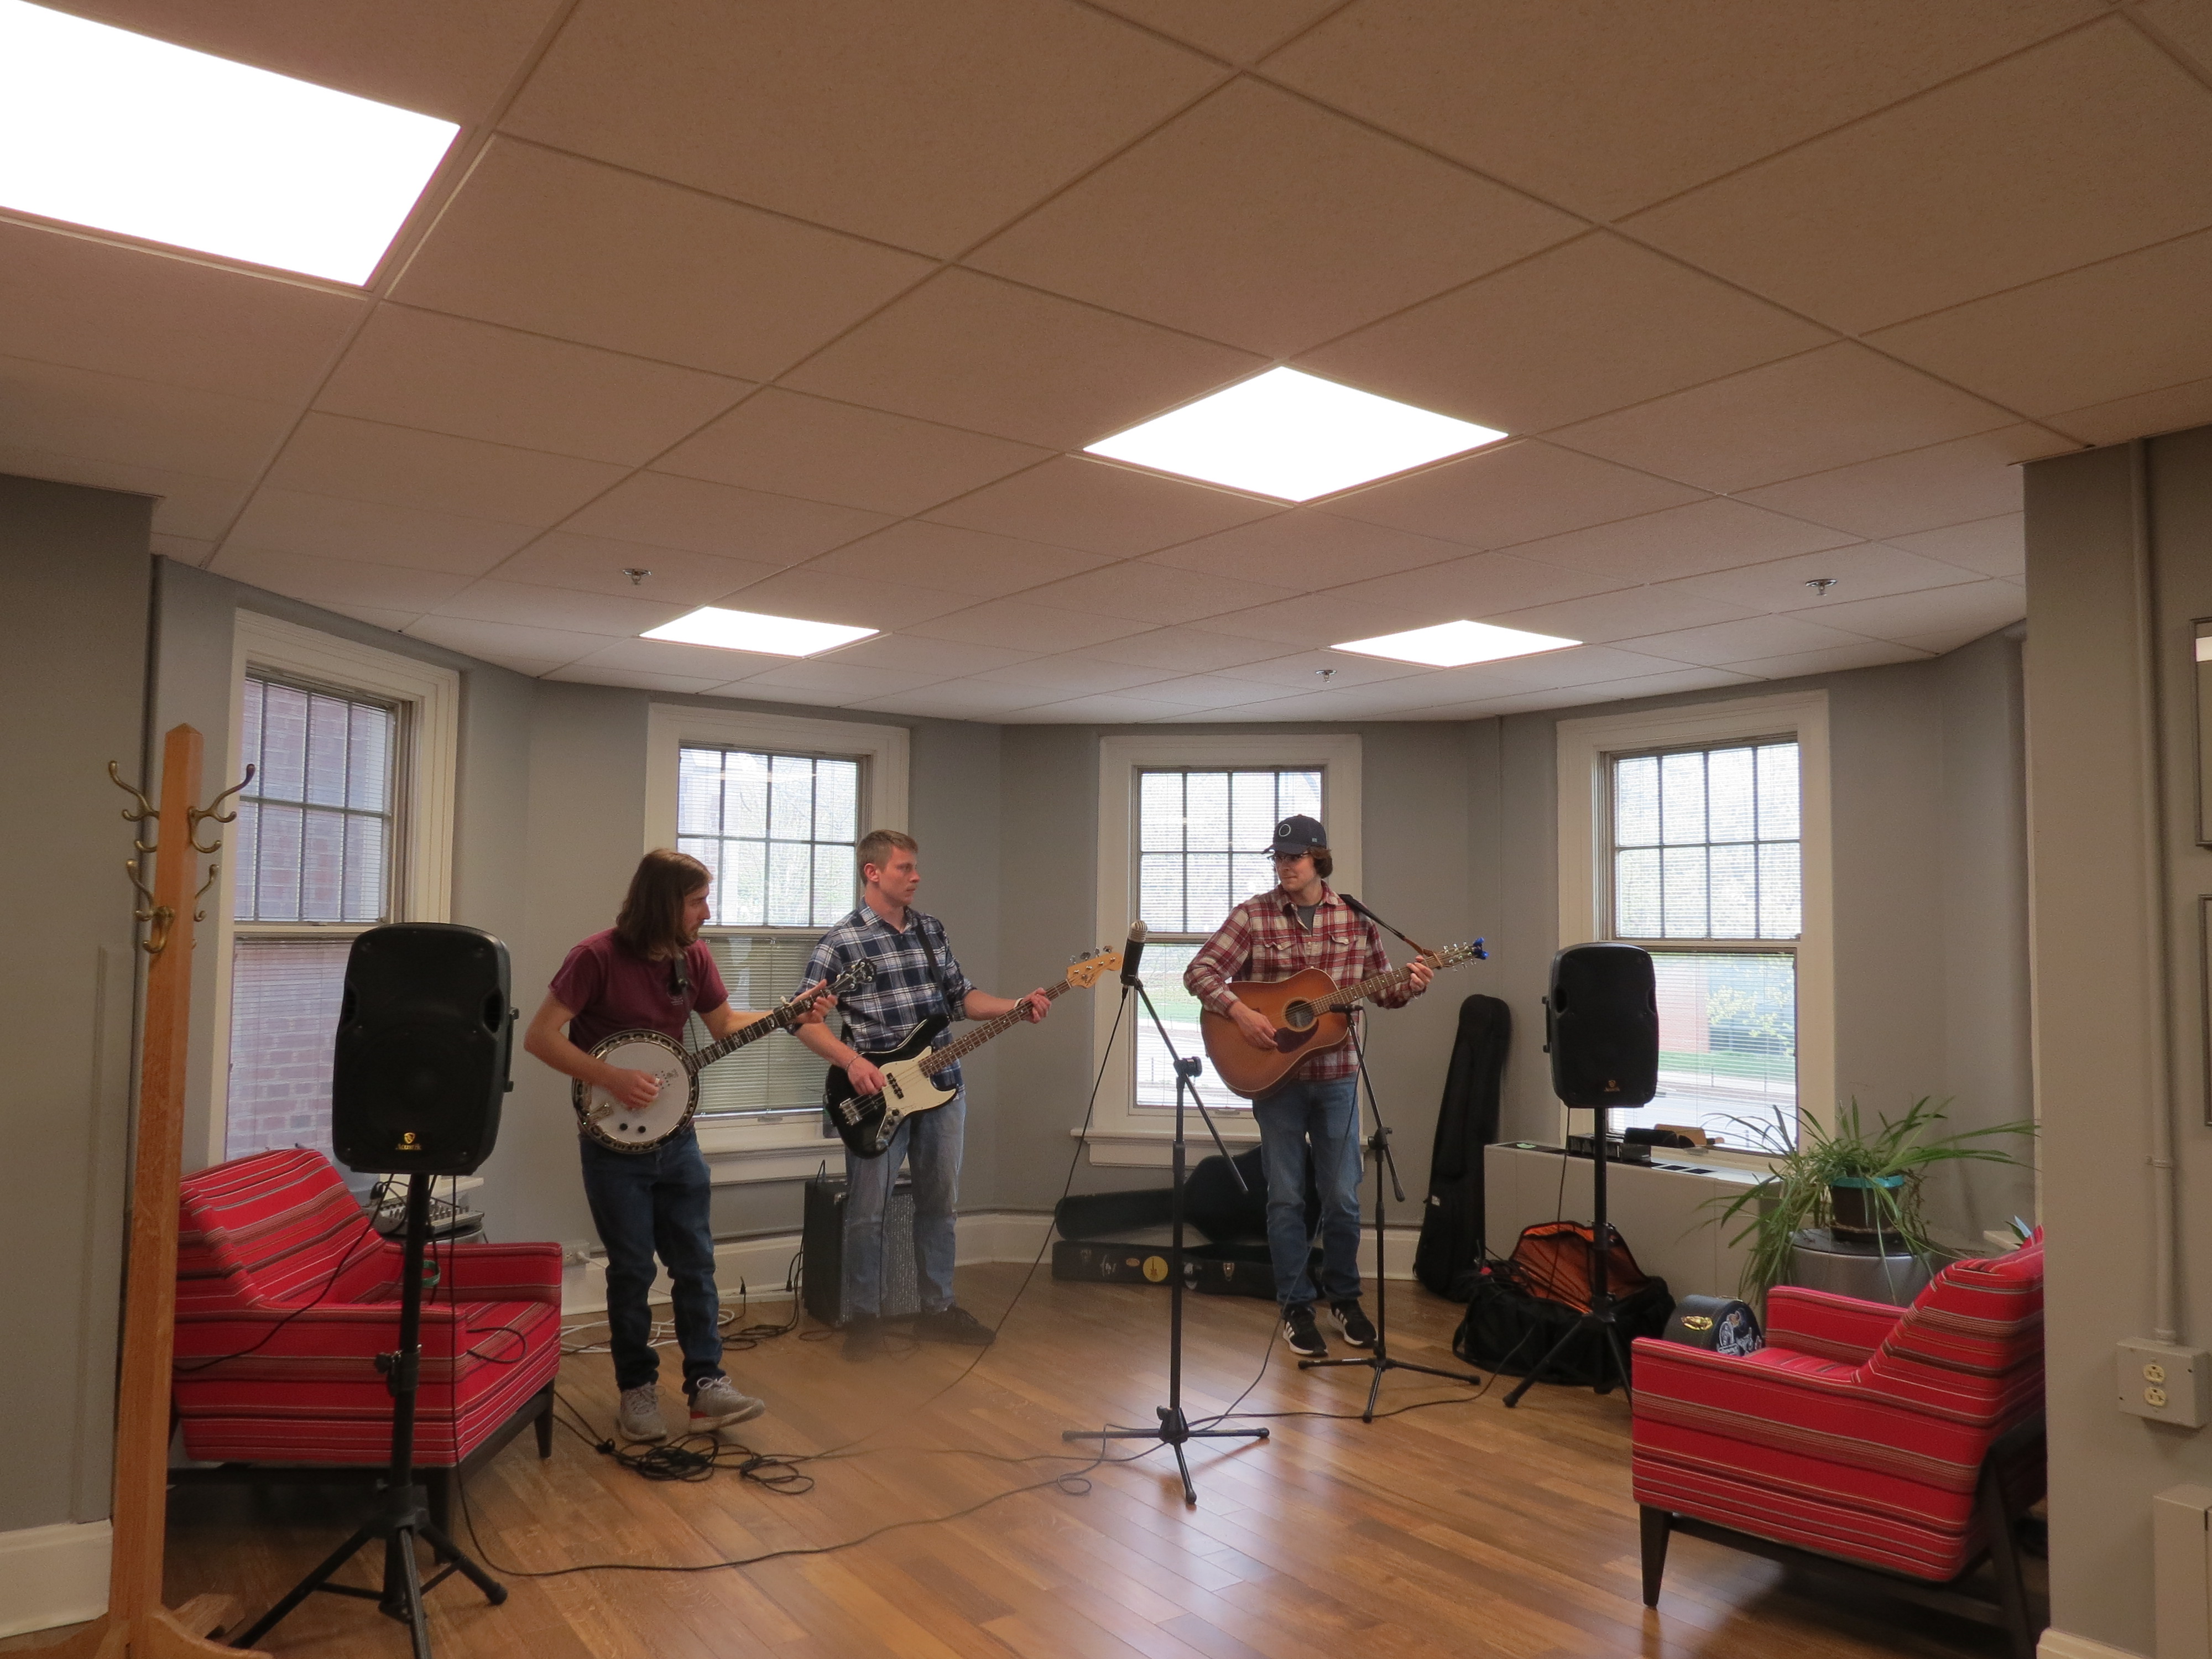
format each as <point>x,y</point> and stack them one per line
<point>403,1507</point>
<point>1601,1316</point>
<point>1174,1430</point>
<point>1379,1362</point>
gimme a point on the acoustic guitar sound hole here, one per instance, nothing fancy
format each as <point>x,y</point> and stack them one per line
<point>1299,1017</point>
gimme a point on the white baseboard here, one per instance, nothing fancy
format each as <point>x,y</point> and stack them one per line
<point>53,1576</point>
<point>2062,1644</point>
<point>761,1264</point>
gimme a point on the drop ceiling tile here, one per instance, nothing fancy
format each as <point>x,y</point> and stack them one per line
<point>1063,676</point>
<point>710,665</point>
<point>831,680</point>
<point>1238,30</point>
<point>1866,571</point>
<point>1811,413</point>
<point>1942,641</point>
<point>1669,684</point>
<point>338,582</point>
<point>1680,541</point>
<point>793,445</point>
<point>563,608</point>
<point>112,417</point>
<point>1513,493</point>
<point>1574,332</point>
<point>631,679</point>
<point>2170,409</point>
<point>1314,621</point>
<point>495,641</point>
<point>1306,547</point>
<point>2093,336</point>
<point>1942,485</point>
<point>1108,708</point>
<point>1478,587</point>
<point>1982,606</point>
<point>689,513</point>
<point>1301,670</point>
<point>1260,219</point>
<point>594,564</point>
<point>1072,501</point>
<point>1037,626</point>
<point>558,245</point>
<point>1623,613</point>
<point>2043,169</point>
<point>128,310</point>
<point>971,351</point>
<point>953,700</point>
<point>937,658</point>
<point>186,505</point>
<point>395,622</point>
<point>957,561</point>
<point>1726,644</point>
<point>1833,659</point>
<point>927,127</point>
<point>1210,691</point>
<point>1990,547</point>
<point>816,595</point>
<point>294,521</point>
<point>1588,665</point>
<point>470,380</point>
<point>399,466</point>
<point>1155,593</point>
<point>2185,25</point>
<point>1185,650</point>
<point>1660,98</point>
<point>453,62</point>
<point>1341,703</point>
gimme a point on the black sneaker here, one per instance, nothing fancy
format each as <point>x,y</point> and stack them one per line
<point>1302,1334</point>
<point>953,1325</point>
<point>1358,1329</point>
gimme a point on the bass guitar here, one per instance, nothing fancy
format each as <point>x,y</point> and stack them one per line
<point>611,1123</point>
<point>1310,1015</point>
<point>866,1123</point>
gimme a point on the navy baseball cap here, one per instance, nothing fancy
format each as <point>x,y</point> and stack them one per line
<point>1298,834</point>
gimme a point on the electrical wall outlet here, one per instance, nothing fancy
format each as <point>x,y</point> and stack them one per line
<point>2164,1383</point>
<point>576,1252</point>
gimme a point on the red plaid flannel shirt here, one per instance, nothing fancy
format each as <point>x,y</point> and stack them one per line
<point>1263,940</point>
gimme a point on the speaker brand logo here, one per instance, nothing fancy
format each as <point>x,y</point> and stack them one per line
<point>407,1143</point>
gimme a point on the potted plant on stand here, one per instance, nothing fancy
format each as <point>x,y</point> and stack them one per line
<point>1858,1186</point>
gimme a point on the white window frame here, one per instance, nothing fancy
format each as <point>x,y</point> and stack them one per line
<point>789,1147</point>
<point>430,699</point>
<point>1585,748</point>
<point>1118,1135</point>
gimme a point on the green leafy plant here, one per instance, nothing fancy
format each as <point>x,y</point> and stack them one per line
<point>1891,1159</point>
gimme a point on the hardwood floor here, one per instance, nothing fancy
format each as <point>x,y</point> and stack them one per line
<point>1435,1534</point>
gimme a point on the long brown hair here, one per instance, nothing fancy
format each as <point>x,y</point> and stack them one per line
<point>651,920</point>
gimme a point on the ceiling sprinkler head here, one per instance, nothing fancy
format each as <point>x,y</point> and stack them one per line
<point>1821,585</point>
<point>636,574</point>
<point>1325,673</point>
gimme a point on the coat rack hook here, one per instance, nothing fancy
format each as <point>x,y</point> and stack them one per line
<point>196,815</point>
<point>146,808</point>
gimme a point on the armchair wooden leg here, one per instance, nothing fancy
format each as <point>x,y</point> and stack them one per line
<point>1657,1525</point>
<point>440,1483</point>
<point>545,1427</point>
<point>1998,1521</point>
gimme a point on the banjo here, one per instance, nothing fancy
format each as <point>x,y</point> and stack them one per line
<point>611,1123</point>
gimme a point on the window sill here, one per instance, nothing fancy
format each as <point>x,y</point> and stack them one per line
<point>793,1150</point>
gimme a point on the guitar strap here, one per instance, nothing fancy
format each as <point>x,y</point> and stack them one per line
<point>936,979</point>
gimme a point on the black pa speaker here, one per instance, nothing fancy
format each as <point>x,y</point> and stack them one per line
<point>1601,1025</point>
<point>423,1046</point>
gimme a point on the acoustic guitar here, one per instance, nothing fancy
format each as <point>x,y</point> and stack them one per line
<point>611,1123</point>
<point>1310,1015</point>
<point>865,1123</point>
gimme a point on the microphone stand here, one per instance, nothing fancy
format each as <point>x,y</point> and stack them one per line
<point>1174,1430</point>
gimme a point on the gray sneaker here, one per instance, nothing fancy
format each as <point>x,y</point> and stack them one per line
<point>716,1404</point>
<point>639,1417</point>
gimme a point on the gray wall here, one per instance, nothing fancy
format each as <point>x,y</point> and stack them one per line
<point>73,586</point>
<point>2098,1061</point>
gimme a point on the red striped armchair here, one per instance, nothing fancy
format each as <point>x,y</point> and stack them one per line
<point>286,1295</point>
<point>1903,1441</point>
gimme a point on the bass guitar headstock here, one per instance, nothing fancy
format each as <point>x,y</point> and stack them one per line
<point>1085,972</point>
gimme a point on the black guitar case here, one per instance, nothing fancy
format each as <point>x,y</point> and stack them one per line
<point>1450,1250</point>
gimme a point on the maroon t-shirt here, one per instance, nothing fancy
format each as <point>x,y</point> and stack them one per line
<point>612,989</point>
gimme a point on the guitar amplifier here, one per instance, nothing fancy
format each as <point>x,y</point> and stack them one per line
<point>821,1238</point>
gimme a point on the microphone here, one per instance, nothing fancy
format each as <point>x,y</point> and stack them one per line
<point>1134,952</point>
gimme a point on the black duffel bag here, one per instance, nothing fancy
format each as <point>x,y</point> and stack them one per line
<point>1509,1328</point>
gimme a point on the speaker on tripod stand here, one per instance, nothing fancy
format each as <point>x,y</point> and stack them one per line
<point>424,1035</point>
<point>1601,1030</point>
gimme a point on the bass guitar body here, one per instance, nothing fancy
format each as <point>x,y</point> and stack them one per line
<point>1301,1029</point>
<point>865,1123</point>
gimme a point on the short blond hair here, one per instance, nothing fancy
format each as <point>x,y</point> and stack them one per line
<point>876,846</point>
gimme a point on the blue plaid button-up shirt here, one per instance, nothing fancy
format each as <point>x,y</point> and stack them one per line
<point>900,996</point>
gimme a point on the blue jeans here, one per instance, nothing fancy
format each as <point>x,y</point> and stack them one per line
<point>1325,1115</point>
<point>931,1141</point>
<point>641,1203</point>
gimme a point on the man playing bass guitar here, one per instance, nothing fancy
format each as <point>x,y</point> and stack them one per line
<point>1301,923</point>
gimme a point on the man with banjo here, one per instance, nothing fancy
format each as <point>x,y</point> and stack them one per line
<point>649,973</point>
<point>1301,924</point>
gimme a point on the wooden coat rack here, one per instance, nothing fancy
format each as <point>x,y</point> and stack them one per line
<point>137,1622</point>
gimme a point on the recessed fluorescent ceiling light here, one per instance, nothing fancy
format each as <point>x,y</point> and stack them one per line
<point>1456,644</point>
<point>112,130</point>
<point>1292,436</point>
<point>747,630</point>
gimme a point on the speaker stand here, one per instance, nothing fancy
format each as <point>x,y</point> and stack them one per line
<point>1602,1315</point>
<point>403,1513</point>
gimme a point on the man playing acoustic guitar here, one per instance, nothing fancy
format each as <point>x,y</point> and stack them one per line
<point>1301,923</point>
